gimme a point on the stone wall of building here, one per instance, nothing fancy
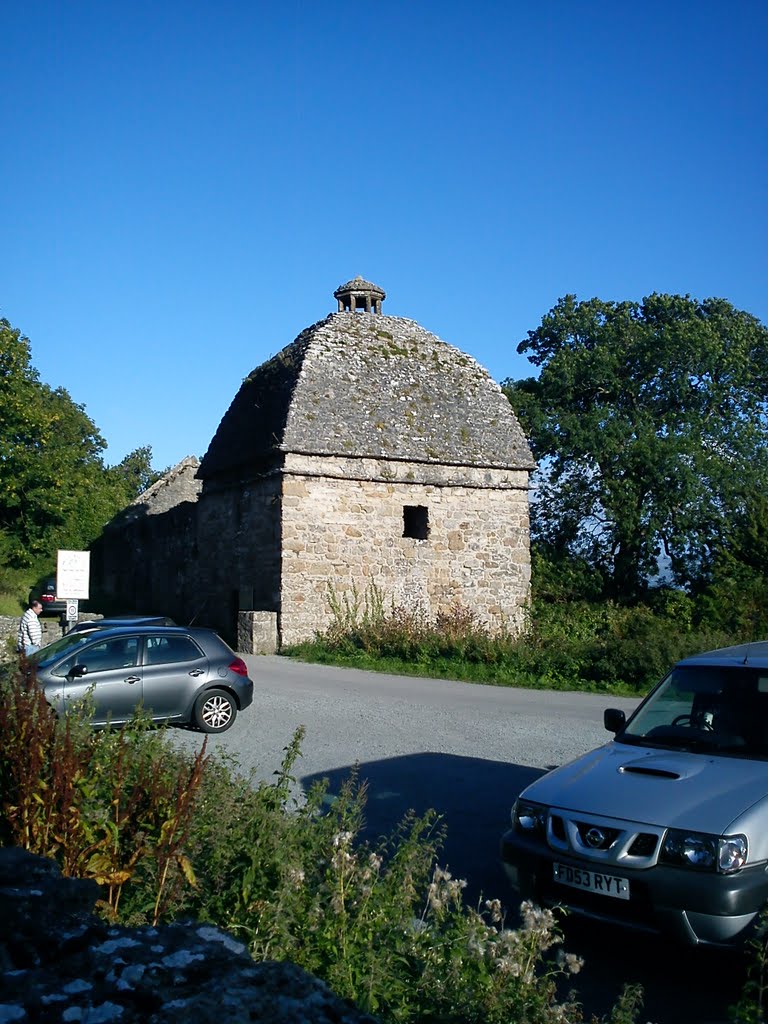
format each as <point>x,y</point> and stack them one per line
<point>347,535</point>
<point>145,560</point>
<point>146,564</point>
<point>238,538</point>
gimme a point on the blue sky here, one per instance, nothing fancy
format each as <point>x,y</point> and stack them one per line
<point>184,184</point>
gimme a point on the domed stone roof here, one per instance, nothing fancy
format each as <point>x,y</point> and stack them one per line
<point>369,386</point>
<point>359,294</point>
<point>359,284</point>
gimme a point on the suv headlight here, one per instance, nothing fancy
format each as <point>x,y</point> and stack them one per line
<point>529,817</point>
<point>704,852</point>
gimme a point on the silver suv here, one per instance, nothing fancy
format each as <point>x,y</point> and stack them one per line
<point>665,828</point>
<point>174,674</point>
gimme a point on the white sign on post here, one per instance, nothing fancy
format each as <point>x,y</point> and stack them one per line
<point>73,572</point>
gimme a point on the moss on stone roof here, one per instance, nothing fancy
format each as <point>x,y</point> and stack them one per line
<point>371,386</point>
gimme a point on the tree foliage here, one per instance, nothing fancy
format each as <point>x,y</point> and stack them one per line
<point>734,594</point>
<point>649,424</point>
<point>55,491</point>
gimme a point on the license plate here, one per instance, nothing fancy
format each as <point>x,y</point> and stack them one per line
<point>592,881</point>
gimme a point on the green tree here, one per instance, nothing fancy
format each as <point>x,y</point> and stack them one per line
<point>735,591</point>
<point>55,491</point>
<point>649,422</point>
<point>135,472</point>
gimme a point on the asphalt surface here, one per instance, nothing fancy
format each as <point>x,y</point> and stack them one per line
<point>466,751</point>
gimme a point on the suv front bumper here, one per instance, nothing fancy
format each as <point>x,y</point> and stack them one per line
<point>696,907</point>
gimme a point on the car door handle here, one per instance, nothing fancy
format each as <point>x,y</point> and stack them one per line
<point>195,671</point>
<point>132,679</point>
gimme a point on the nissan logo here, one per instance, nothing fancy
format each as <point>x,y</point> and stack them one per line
<point>595,838</point>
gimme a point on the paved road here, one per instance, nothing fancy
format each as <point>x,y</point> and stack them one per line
<point>466,751</point>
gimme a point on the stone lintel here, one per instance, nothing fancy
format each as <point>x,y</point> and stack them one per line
<point>391,471</point>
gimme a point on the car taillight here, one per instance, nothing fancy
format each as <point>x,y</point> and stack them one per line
<point>47,597</point>
<point>239,666</point>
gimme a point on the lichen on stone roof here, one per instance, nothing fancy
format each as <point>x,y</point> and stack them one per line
<point>371,386</point>
<point>359,284</point>
<point>176,485</point>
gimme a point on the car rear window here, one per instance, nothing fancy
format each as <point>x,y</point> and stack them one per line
<point>166,650</point>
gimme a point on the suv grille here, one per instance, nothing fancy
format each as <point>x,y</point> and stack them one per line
<point>644,845</point>
<point>596,838</point>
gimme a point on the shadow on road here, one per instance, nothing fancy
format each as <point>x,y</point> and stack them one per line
<point>473,797</point>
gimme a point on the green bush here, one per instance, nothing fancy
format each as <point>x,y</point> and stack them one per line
<point>752,1007</point>
<point>612,647</point>
<point>598,646</point>
<point>112,806</point>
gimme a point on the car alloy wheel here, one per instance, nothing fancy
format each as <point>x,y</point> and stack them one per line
<point>215,711</point>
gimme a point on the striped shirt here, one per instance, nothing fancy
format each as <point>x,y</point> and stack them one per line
<point>30,631</point>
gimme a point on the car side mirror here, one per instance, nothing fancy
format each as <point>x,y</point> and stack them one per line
<point>78,671</point>
<point>614,719</point>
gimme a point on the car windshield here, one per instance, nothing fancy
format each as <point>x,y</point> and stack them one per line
<point>52,652</point>
<point>713,708</point>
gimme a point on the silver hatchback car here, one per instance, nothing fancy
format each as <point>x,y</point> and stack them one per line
<point>175,674</point>
<point>665,828</point>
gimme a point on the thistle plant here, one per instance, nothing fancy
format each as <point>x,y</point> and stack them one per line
<point>383,924</point>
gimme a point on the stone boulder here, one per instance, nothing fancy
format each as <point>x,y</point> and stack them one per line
<point>59,962</point>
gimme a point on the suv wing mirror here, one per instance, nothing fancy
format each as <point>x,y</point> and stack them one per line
<point>614,719</point>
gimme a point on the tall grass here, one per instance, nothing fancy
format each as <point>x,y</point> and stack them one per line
<point>580,645</point>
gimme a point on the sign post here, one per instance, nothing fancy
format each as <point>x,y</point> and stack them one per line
<point>73,572</point>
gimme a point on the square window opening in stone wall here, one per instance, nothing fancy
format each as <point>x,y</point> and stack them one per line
<point>416,521</point>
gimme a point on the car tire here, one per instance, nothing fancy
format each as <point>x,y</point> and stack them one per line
<point>214,711</point>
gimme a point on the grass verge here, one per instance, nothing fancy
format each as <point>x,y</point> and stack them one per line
<point>495,674</point>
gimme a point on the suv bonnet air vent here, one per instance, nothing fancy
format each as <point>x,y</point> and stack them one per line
<point>659,773</point>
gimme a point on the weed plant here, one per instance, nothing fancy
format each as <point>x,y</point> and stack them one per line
<point>170,834</point>
<point>752,1007</point>
<point>112,806</point>
<point>599,647</point>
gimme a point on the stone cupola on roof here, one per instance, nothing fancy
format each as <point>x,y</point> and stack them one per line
<point>358,294</point>
<point>363,385</point>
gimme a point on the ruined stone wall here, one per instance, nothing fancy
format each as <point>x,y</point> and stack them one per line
<point>148,564</point>
<point>238,564</point>
<point>146,558</point>
<point>347,534</point>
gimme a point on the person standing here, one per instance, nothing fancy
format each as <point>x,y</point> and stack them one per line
<point>30,631</point>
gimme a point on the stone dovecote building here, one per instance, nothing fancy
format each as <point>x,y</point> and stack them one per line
<point>368,453</point>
